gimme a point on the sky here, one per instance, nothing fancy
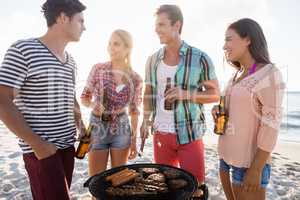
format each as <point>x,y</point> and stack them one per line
<point>205,22</point>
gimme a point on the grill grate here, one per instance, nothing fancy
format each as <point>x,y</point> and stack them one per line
<point>97,184</point>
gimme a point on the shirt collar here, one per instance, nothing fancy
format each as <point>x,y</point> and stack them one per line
<point>182,51</point>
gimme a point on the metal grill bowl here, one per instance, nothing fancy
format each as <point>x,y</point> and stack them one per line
<point>97,184</point>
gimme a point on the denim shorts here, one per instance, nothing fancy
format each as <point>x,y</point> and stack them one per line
<point>238,173</point>
<point>102,138</point>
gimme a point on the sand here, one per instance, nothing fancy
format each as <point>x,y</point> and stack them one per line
<point>284,183</point>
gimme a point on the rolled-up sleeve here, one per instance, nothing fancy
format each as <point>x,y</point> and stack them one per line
<point>270,96</point>
<point>208,68</point>
<point>90,88</point>
<point>148,71</point>
<point>137,96</point>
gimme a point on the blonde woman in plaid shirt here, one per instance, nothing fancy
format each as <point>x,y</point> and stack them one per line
<point>121,87</point>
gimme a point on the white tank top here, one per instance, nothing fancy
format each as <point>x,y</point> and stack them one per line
<point>164,119</point>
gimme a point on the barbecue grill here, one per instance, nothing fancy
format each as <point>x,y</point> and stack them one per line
<point>97,184</point>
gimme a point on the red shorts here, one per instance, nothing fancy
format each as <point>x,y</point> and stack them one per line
<point>189,157</point>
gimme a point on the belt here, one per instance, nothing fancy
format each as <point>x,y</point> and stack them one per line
<point>118,115</point>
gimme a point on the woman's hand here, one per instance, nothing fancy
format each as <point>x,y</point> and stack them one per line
<point>133,151</point>
<point>252,180</point>
<point>215,112</point>
<point>98,108</point>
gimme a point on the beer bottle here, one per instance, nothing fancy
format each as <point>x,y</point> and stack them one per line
<point>84,144</point>
<point>106,116</point>
<point>220,123</point>
<point>168,105</point>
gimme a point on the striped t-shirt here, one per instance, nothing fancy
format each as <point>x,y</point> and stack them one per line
<point>46,91</point>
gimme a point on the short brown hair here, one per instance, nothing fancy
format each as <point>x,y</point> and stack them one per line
<point>53,8</point>
<point>174,13</point>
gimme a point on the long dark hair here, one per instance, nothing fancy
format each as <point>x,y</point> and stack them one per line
<point>258,47</point>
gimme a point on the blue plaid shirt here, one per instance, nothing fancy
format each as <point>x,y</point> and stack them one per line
<point>194,67</point>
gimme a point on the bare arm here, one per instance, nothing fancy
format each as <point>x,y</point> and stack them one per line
<point>147,103</point>
<point>210,95</point>
<point>144,130</point>
<point>15,122</point>
<point>253,175</point>
<point>86,101</point>
<point>86,98</point>
<point>89,102</point>
<point>134,123</point>
<point>134,118</point>
<point>260,159</point>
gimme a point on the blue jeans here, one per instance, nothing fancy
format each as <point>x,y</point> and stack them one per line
<point>102,139</point>
<point>238,173</point>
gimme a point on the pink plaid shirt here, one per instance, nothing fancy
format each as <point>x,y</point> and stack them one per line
<point>129,96</point>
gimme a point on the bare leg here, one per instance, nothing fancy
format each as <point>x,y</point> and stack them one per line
<point>226,184</point>
<point>97,162</point>
<point>119,157</point>
<point>243,195</point>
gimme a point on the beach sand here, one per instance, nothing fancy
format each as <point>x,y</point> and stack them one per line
<point>284,183</point>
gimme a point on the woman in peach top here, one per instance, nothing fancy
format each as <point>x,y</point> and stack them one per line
<point>253,105</point>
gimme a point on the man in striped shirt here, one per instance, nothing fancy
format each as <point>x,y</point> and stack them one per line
<point>37,99</point>
<point>178,132</point>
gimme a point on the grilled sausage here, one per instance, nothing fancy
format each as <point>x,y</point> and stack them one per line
<point>124,179</point>
<point>109,178</point>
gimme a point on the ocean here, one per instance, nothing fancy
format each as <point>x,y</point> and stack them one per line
<point>290,126</point>
<point>290,123</point>
<point>289,129</point>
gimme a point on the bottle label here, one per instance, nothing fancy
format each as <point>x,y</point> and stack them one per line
<point>220,125</point>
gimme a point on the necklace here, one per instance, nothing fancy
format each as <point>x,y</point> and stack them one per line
<point>251,71</point>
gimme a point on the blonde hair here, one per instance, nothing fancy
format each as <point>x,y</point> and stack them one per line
<point>127,39</point>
